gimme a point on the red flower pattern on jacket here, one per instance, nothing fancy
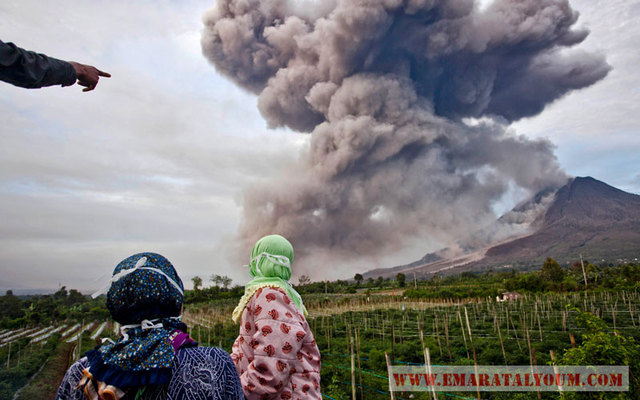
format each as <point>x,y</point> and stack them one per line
<point>286,349</point>
<point>270,350</point>
<point>279,355</point>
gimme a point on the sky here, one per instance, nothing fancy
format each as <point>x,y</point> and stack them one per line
<point>158,157</point>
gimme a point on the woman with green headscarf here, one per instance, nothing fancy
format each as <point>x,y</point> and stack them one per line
<point>275,353</point>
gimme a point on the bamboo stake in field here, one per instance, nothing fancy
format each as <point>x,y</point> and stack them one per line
<point>353,372</point>
<point>358,357</point>
<point>515,332</point>
<point>504,353</point>
<point>386,356</point>
<point>463,334</point>
<point>446,335</point>
<point>437,334</point>
<point>572,339</point>
<point>393,341</point>
<point>473,348</point>
<point>535,365</point>
<point>427,360</point>
<point>584,274</point>
<point>508,319</point>
<point>555,372</point>
<point>80,340</point>
<point>539,324</point>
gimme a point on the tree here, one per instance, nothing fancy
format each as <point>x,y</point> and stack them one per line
<point>551,271</point>
<point>358,278</point>
<point>226,281</point>
<point>197,282</point>
<point>75,297</point>
<point>61,293</point>
<point>10,306</point>
<point>304,280</point>
<point>216,279</point>
<point>401,279</point>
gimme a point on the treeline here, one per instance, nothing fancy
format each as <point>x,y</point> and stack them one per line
<point>44,309</point>
<point>580,275</point>
<point>212,293</point>
<point>551,277</point>
<point>452,292</point>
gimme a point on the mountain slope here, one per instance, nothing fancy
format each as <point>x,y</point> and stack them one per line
<point>586,216</point>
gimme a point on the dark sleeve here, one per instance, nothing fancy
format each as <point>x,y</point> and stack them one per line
<point>230,384</point>
<point>32,70</point>
<point>67,389</point>
<point>206,373</point>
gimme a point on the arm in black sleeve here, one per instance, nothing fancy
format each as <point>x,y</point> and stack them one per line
<point>32,70</point>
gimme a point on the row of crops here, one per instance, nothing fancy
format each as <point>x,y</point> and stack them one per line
<point>357,332</point>
<point>525,331</point>
<point>25,351</point>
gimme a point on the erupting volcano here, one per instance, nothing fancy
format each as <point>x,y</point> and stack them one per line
<point>408,104</point>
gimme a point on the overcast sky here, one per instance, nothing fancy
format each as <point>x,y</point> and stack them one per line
<point>158,156</point>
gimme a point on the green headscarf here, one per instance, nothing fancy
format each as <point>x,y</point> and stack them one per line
<point>270,266</point>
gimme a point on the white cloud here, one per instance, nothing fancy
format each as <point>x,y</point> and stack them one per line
<point>155,159</point>
<point>596,129</point>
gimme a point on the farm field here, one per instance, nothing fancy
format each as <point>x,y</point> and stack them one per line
<point>27,353</point>
<point>518,332</point>
<point>357,325</point>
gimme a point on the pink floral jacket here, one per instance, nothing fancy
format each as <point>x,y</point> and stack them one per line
<point>275,354</point>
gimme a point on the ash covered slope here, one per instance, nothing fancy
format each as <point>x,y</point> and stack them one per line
<point>586,217</point>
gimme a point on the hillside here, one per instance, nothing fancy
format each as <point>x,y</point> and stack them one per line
<point>586,216</point>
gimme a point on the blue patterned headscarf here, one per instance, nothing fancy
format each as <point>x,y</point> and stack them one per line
<point>145,296</point>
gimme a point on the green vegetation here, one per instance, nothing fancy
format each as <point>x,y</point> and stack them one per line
<point>42,310</point>
<point>519,332</point>
<point>383,316</point>
<point>45,383</point>
<point>27,361</point>
<point>602,346</point>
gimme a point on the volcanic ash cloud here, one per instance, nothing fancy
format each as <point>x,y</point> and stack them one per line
<point>407,103</point>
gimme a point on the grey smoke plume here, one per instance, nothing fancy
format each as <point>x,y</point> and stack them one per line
<point>407,103</point>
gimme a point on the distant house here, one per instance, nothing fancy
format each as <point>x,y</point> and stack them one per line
<point>508,296</point>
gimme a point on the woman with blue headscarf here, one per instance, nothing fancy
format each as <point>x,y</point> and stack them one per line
<point>275,353</point>
<point>155,358</point>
